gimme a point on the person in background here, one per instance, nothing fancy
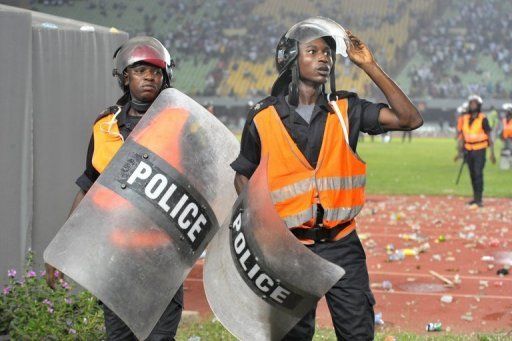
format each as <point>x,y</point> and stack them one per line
<point>474,140</point>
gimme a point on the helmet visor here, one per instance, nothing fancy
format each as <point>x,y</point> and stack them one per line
<point>143,49</point>
<point>318,27</point>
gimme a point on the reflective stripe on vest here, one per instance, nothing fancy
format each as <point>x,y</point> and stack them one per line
<point>333,183</point>
<point>507,128</point>
<point>474,135</point>
<point>337,183</point>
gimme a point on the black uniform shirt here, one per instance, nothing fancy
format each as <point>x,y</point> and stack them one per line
<point>125,123</point>
<point>363,116</point>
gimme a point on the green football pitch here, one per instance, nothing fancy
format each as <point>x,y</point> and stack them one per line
<point>426,166</point>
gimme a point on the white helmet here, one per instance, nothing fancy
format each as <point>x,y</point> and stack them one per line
<point>463,108</point>
<point>475,98</point>
<point>507,106</point>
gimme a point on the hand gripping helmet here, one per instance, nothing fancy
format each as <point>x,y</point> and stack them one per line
<point>288,49</point>
<point>142,49</point>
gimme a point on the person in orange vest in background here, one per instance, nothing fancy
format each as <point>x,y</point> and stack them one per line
<point>316,179</point>
<point>143,67</point>
<point>461,110</point>
<point>505,133</point>
<point>473,142</point>
<point>506,126</point>
<point>459,115</point>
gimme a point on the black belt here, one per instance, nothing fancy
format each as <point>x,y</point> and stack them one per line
<point>320,233</point>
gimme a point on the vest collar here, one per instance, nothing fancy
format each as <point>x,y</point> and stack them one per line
<point>284,109</point>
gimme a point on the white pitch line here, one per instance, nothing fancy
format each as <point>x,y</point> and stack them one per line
<point>409,274</point>
<point>425,232</point>
<point>441,294</point>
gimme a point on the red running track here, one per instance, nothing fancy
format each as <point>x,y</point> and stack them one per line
<point>482,302</point>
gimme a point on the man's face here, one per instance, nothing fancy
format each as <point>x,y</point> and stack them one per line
<point>315,61</point>
<point>144,81</point>
<point>473,105</point>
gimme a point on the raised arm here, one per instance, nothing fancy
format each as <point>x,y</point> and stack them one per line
<point>402,115</point>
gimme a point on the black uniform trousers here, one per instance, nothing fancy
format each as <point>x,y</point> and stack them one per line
<point>164,330</point>
<point>350,301</point>
<point>476,163</point>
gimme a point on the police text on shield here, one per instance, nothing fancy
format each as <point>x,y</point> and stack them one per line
<point>173,199</point>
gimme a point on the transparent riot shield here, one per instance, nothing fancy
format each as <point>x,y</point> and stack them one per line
<point>259,279</point>
<point>135,236</point>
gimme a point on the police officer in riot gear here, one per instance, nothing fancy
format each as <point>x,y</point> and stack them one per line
<point>300,111</point>
<point>475,138</point>
<point>143,68</point>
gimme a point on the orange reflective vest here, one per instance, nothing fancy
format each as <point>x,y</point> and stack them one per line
<point>460,120</point>
<point>474,135</point>
<point>160,140</point>
<point>107,140</point>
<point>507,128</point>
<point>337,183</point>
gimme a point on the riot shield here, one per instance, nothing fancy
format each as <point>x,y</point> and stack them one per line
<point>259,279</point>
<point>135,236</point>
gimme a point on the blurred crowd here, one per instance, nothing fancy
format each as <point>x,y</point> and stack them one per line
<point>229,31</point>
<point>456,43</point>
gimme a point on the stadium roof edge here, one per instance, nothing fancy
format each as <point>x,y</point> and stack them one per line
<point>39,18</point>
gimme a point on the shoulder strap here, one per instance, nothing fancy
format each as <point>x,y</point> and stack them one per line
<point>106,127</point>
<point>260,106</point>
<point>344,124</point>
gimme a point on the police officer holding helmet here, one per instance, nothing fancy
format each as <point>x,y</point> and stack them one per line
<point>316,179</point>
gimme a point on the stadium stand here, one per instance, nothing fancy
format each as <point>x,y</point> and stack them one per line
<point>467,50</point>
<point>226,47</point>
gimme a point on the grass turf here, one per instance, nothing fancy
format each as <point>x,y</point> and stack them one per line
<point>426,166</point>
<point>213,330</point>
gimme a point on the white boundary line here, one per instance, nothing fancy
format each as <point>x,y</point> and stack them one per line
<point>440,294</point>
<point>411,274</point>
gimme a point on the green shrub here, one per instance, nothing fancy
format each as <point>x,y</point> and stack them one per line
<point>29,309</point>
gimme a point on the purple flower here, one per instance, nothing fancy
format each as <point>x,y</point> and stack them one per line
<point>65,285</point>
<point>42,273</point>
<point>7,290</point>
<point>31,274</point>
<point>68,300</point>
<point>50,310</point>
<point>56,273</point>
<point>72,331</point>
<point>48,302</point>
<point>11,273</point>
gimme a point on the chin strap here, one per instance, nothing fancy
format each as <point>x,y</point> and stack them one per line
<point>293,87</point>
<point>332,79</point>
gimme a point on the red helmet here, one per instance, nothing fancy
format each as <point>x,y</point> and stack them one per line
<point>142,49</point>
